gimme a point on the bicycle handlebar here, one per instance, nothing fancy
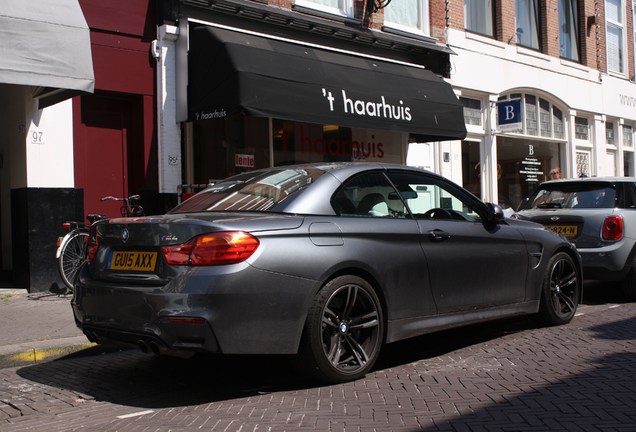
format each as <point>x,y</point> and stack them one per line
<point>130,198</point>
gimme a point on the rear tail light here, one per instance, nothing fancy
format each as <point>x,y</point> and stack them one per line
<point>612,228</point>
<point>91,247</point>
<point>212,249</point>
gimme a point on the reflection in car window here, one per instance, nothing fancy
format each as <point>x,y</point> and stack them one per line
<point>429,197</point>
<point>573,195</point>
<point>251,191</point>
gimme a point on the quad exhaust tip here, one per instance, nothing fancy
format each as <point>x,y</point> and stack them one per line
<point>148,347</point>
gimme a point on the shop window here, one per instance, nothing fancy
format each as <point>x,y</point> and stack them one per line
<point>471,168</point>
<point>522,165</point>
<point>407,15</point>
<point>569,29</point>
<point>628,136</point>
<point>628,168</point>
<point>615,29</point>
<point>581,129</point>
<point>479,16</point>
<point>609,133</point>
<point>472,111</point>
<point>528,21</point>
<point>337,7</point>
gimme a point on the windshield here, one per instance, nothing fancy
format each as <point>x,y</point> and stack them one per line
<point>573,195</point>
<point>254,191</point>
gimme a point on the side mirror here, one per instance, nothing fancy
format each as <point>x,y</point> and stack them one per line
<point>494,215</point>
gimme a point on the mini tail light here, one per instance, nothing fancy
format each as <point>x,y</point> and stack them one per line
<point>66,226</point>
<point>612,228</point>
<point>228,247</point>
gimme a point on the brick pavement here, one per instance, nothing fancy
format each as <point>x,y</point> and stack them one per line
<point>504,376</point>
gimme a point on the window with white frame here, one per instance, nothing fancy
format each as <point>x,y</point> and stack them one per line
<point>628,136</point>
<point>569,29</point>
<point>609,133</point>
<point>479,16</point>
<point>581,129</point>
<point>528,23</point>
<point>614,19</point>
<point>408,15</point>
<point>337,7</point>
<point>472,110</point>
<point>540,116</point>
<point>583,163</point>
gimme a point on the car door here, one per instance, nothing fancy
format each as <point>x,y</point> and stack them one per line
<point>381,237</point>
<point>470,267</point>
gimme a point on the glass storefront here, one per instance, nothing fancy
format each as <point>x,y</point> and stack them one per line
<point>522,165</point>
<point>223,147</point>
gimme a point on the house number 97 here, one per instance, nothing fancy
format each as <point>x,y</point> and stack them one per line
<point>37,137</point>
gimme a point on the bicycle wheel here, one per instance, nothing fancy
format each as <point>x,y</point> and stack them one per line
<point>72,256</point>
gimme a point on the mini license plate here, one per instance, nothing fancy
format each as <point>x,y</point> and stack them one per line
<point>564,230</point>
<point>133,260</point>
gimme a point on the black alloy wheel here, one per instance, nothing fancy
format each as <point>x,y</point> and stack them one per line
<point>344,331</point>
<point>561,290</point>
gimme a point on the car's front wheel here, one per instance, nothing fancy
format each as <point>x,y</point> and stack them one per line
<point>561,290</point>
<point>344,331</point>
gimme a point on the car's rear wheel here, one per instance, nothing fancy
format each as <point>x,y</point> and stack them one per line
<point>628,285</point>
<point>561,290</point>
<point>344,331</point>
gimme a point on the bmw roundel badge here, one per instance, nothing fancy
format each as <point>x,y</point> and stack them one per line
<point>125,235</point>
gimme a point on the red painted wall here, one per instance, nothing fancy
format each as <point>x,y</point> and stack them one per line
<point>121,35</point>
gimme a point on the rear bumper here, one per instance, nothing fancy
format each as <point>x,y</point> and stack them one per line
<point>250,312</point>
<point>611,262</point>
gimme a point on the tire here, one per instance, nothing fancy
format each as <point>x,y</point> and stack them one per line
<point>344,331</point>
<point>628,285</point>
<point>561,291</point>
<point>72,256</point>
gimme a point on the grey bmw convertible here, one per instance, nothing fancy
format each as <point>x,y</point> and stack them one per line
<point>327,262</point>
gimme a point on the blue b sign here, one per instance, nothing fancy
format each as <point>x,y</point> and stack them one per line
<point>509,115</point>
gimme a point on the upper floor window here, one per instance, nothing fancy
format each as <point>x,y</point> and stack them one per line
<point>614,18</point>
<point>337,7</point>
<point>408,15</point>
<point>569,29</point>
<point>528,23</point>
<point>478,16</point>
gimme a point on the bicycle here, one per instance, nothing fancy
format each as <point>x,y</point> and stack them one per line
<point>71,248</point>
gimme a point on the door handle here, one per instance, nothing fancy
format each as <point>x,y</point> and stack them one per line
<point>438,235</point>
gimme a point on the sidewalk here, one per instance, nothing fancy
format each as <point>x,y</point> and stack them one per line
<point>36,327</point>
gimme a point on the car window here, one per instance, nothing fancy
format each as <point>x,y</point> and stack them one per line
<point>629,192</point>
<point>255,191</point>
<point>431,197</point>
<point>368,195</point>
<point>572,196</point>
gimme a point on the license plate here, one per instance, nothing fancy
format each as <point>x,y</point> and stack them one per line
<point>133,260</point>
<point>565,230</point>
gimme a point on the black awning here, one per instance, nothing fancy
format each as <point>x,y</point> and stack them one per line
<point>236,73</point>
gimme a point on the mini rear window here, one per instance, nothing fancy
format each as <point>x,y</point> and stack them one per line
<point>573,195</point>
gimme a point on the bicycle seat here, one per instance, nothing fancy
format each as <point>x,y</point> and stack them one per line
<point>94,217</point>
